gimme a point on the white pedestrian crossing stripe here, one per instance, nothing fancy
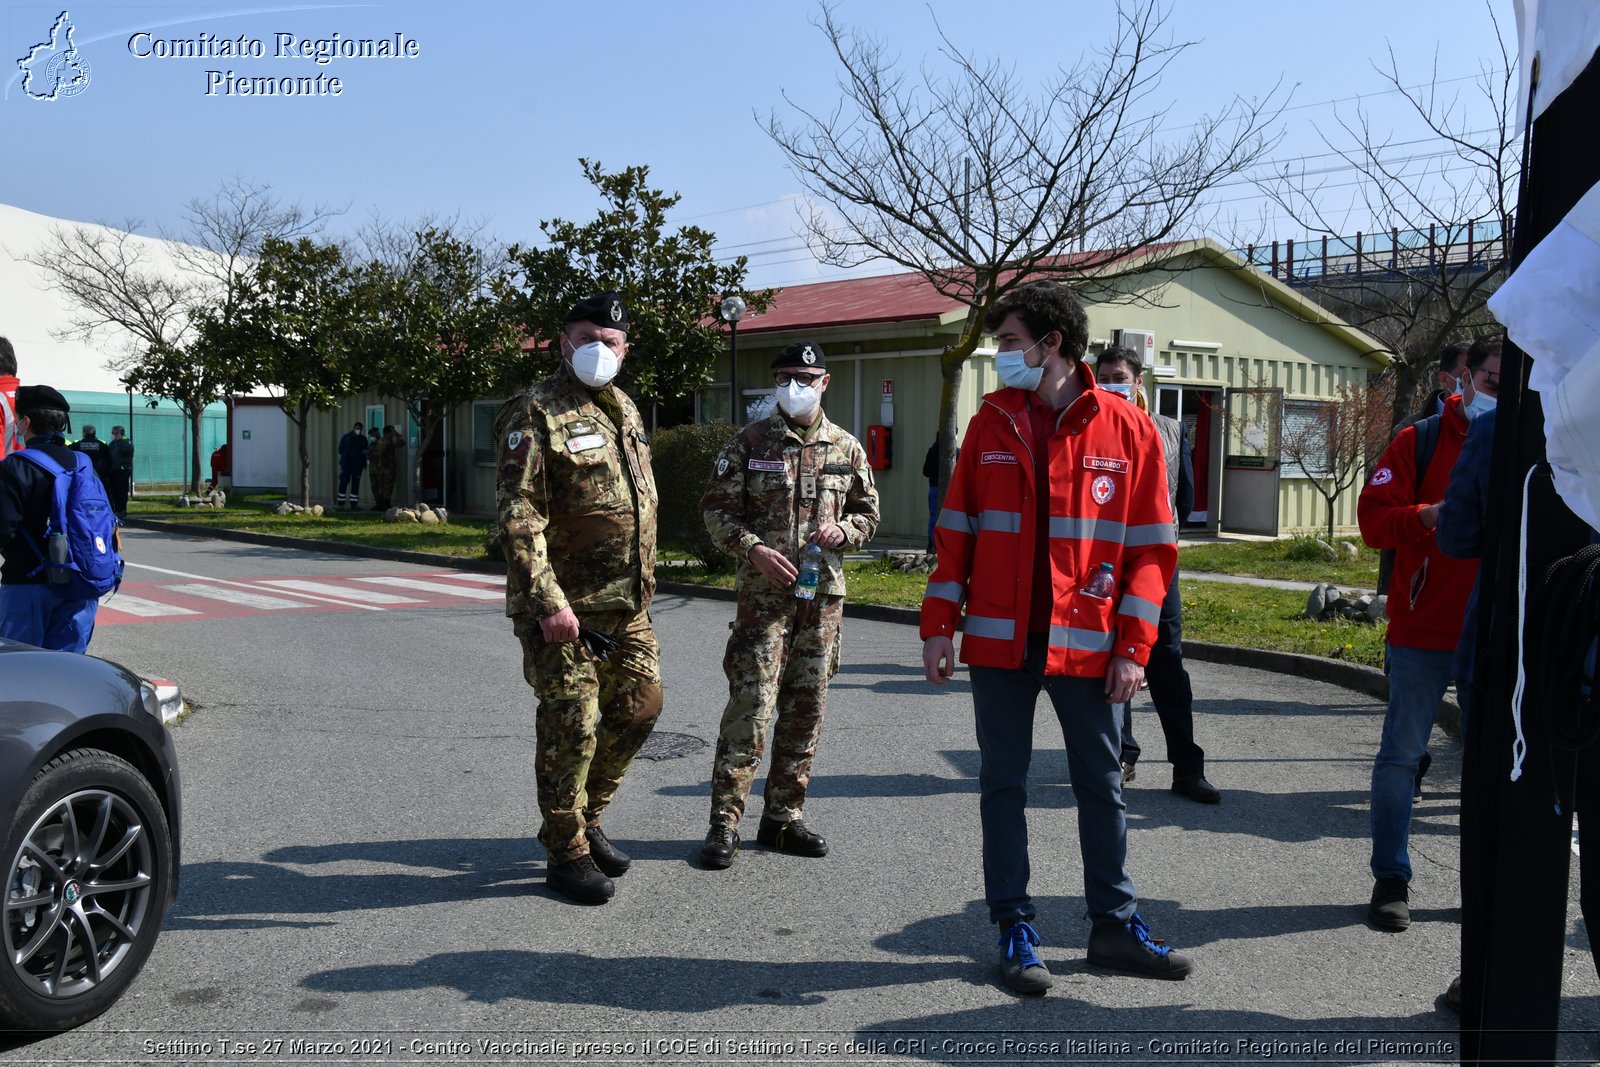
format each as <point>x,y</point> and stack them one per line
<point>144,609</point>
<point>204,598</point>
<point>471,592</point>
<point>343,592</point>
<point>229,594</point>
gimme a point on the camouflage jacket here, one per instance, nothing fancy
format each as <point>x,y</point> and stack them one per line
<point>772,486</point>
<point>577,500</point>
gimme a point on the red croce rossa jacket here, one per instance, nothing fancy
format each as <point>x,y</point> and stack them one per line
<point>1428,590</point>
<point>1108,504</point>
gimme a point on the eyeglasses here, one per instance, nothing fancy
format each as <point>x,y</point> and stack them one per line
<point>785,377</point>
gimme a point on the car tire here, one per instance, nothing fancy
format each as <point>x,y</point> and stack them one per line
<point>90,845</point>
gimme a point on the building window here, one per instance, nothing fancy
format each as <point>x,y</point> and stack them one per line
<point>485,449</point>
<point>1305,446</point>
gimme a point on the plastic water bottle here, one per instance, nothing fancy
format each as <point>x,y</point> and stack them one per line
<point>59,556</point>
<point>1102,585</point>
<point>805,586</point>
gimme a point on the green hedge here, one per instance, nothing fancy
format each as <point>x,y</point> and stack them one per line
<point>683,458</point>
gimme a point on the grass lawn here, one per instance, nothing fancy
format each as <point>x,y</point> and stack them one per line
<point>460,537</point>
<point>1224,614</point>
<point>1283,559</point>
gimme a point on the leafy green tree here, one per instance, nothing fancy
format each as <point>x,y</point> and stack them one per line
<point>669,279</point>
<point>436,333</point>
<point>194,375</point>
<point>296,325</point>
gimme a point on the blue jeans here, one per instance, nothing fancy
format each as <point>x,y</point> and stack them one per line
<point>1418,678</point>
<point>32,613</point>
<point>1004,702</point>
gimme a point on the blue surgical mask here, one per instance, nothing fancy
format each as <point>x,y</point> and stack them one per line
<point>1482,403</point>
<point>1122,389</point>
<point>1014,370</point>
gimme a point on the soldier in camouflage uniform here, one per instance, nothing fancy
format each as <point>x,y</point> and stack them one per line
<point>783,482</point>
<point>577,504</point>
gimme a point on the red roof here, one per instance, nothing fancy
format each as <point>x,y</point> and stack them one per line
<point>885,298</point>
<point>851,302</point>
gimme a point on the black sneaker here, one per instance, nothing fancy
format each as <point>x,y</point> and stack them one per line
<point>721,843</point>
<point>1128,947</point>
<point>792,837</point>
<point>1196,788</point>
<point>580,880</point>
<point>1391,904</point>
<point>608,857</point>
<point>1020,967</point>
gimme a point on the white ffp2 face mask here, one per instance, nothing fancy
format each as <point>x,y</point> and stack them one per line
<point>595,364</point>
<point>796,400</point>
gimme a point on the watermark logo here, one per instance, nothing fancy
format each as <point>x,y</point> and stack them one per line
<point>55,69</point>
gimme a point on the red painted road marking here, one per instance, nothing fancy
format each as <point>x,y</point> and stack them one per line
<point>205,599</point>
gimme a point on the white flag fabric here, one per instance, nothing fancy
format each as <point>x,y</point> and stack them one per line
<point>1551,308</point>
<point>1566,35</point>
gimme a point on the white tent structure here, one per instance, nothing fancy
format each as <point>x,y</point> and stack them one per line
<point>32,314</point>
<point>35,317</point>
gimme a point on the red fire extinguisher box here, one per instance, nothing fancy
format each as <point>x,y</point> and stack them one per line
<point>880,447</point>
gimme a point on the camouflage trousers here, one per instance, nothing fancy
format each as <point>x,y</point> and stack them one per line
<point>779,661</point>
<point>593,717</point>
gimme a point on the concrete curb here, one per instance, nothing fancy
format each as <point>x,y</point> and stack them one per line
<point>1367,680</point>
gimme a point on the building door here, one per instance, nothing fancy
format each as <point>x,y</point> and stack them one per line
<point>1252,419</point>
<point>1200,412</point>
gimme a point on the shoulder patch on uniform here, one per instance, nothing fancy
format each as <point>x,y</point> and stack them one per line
<point>722,466</point>
<point>776,466</point>
<point>513,439</point>
<point>1382,476</point>
<point>1103,489</point>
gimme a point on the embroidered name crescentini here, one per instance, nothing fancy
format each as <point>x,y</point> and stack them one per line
<point>998,457</point>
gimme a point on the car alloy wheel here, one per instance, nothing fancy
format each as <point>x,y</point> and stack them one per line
<point>86,890</point>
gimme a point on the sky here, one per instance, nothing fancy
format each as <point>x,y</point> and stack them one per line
<point>488,119</point>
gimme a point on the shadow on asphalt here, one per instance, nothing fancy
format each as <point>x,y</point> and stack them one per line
<point>233,895</point>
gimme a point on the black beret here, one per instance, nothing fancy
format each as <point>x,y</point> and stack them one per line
<point>35,397</point>
<point>801,354</point>
<point>604,309</point>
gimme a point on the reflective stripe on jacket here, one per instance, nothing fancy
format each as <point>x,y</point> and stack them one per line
<point>1108,504</point>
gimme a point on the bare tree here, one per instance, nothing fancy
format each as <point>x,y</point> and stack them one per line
<point>967,176</point>
<point>1333,441</point>
<point>1444,204</point>
<point>146,298</point>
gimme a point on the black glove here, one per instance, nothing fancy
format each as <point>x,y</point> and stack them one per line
<point>599,645</point>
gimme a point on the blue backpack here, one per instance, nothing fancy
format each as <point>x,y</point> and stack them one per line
<point>82,517</point>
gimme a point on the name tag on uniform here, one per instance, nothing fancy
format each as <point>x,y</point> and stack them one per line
<point>775,466</point>
<point>1101,463</point>
<point>585,443</point>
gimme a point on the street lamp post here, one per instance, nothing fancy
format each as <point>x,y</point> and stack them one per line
<point>732,312</point>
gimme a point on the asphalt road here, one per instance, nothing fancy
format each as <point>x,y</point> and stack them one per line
<point>359,864</point>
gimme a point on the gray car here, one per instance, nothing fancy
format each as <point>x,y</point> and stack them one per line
<point>89,799</point>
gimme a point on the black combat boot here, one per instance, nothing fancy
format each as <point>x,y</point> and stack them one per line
<point>792,837</point>
<point>721,843</point>
<point>580,880</point>
<point>611,860</point>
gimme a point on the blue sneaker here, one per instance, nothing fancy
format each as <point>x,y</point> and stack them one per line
<point>1129,947</point>
<point>1020,967</point>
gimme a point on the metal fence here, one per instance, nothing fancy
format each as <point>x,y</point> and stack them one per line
<point>160,435</point>
<point>1386,255</point>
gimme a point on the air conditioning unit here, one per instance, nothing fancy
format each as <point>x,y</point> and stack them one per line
<point>1143,343</point>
